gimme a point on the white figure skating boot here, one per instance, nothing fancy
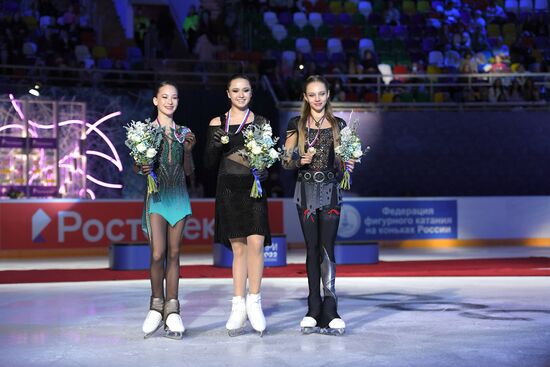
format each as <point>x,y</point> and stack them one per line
<point>308,325</point>
<point>237,320</point>
<point>255,312</point>
<point>153,320</point>
<point>336,327</point>
<point>173,326</point>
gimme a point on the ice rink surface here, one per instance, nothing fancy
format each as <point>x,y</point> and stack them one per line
<point>412,321</point>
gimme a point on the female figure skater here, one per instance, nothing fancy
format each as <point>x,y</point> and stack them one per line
<point>241,221</point>
<point>164,213</point>
<point>309,147</point>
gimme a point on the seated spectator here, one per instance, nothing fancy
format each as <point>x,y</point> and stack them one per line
<point>369,63</point>
<point>545,68</point>
<point>530,91</point>
<point>543,27</point>
<point>418,68</point>
<point>69,17</point>
<point>483,95</point>
<point>501,49</point>
<point>294,85</point>
<point>436,18</point>
<point>392,14</point>
<point>337,91</point>
<point>515,93</point>
<point>452,15</point>
<point>462,41</point>
<point>494,13</point>
<point>499,66</point>
<point>497,93</point>
<point>451,60</point>
<point>477,23</point>
<point>354,67</point>
<point>205,49</point>
<point>470,95</point>
<point>191,27</point>
<point>465,41</point>
<point>479,41</point>
<point>468,64</point>
<point>520,79</point>
<point>141,24</point>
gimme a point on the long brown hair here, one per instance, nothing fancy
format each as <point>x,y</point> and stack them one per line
<point>305,113</point>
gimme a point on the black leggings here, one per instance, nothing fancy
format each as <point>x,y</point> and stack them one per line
<point>165,241</point>
<point>319,228</point>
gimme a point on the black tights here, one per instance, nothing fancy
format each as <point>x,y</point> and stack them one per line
<point>164,241</point>
<point>319,229</point>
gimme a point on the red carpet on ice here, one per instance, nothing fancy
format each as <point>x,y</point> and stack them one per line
<point>531,266</point>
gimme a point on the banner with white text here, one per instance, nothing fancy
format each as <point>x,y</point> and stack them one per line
<point>63,224</point>
<point>398,220</point>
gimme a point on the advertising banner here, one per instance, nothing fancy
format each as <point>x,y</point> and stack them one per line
<point>364,220</point>
<point>61,224</point>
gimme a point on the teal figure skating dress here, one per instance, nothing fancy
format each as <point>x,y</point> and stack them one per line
<point>172,200</point>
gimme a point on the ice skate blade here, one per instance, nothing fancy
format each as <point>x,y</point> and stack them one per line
<point>235,332</point>
<point>310,330</point>
<point>261,333</point>
<point>148,335</point>
<point>335,332</point>
<point>176,335</point>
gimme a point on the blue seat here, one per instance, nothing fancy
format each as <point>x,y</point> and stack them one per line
<point>134,54</point>
<point>337,57</point>
<point>344,19</point>
<point>329,19</point>
<point>321,57</point>
<point>105,64</point>
<point>285,18</point>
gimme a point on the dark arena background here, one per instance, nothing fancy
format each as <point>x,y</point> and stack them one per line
<point>443,248</point>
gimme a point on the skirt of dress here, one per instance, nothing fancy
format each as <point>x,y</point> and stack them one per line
<point>237,214</point>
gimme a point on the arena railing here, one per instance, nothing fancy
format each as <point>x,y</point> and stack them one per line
<point>182,72</point>
<point>429,85</point>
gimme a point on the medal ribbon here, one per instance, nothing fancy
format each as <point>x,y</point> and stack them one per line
<point>240,126</point>
<point>309,145</point>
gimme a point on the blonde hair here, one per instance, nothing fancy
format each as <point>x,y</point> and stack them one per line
<point>305,113</point>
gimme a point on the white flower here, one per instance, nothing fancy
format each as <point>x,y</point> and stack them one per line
<point>135,137</point>
<point>273,154</point>
<point>151,153</point>
<point>357,153</point>
<point>141,147</point>
<point>256,149</point>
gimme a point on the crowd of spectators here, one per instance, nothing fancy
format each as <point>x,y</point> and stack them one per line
<point>406,37</point>
<point>366,46</point>
<point>41,33</point>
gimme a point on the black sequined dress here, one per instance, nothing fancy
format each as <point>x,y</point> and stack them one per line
<point>236,213</point>
<point>309,194</point>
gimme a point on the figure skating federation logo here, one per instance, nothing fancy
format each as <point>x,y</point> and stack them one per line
<point>40,221</point>
<point>350,221</point>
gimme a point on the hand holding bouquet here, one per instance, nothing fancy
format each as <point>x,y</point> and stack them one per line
<point>260,151</point>
<point>349,150</point>
<point>143,139</point>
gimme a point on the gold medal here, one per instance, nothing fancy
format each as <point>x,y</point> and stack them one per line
<point>311,150</point>
<point>224,139</point>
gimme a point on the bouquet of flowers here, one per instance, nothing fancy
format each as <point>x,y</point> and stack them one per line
<point>143,139</point>
<point>260,151</point>
<point>349,148</point>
